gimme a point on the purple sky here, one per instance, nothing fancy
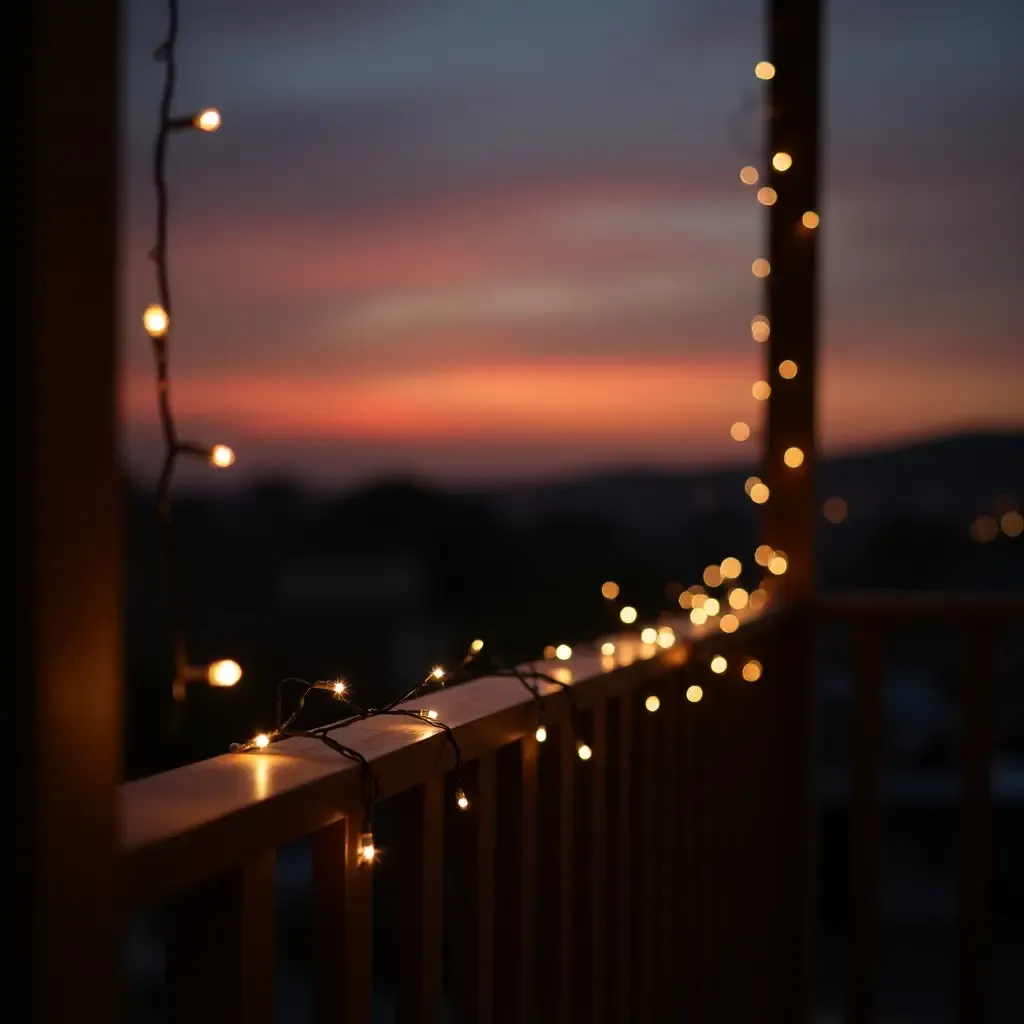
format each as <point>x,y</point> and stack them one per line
<point>487,240</point>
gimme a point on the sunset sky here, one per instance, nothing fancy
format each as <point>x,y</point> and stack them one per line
<point>481,240</point>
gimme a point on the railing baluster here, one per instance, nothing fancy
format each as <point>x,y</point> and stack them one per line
<point>221,948</point>
<point>865,822</point>
<point>555,923</point>
<point>975,896</point>
<point>642,856</point>
<point>516,884</point>
<point>342,927</point>
<point>620,849</point>
<point>473,974</point>
<point>686,900</point>
<point>420,903</point>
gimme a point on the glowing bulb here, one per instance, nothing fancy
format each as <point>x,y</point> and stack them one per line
<point>835,510</point>
<point>428,713</point>
<point>222,456</point>
<point>627,614</point>
<point>224,673</point>
<point>752,671</point>
<point>810,220</point>
<point>712,576</point>
<point>766,197</point>
<point>712,607</point>
<point>261,740</point>
<point>610,590</point>
<point>731,568</point>
<point>1012,523</point>
<point>461,799</point>
<point>666,637</point>
<point>156,321</point>
<point>758,599</point>
<point>583,751</point>
<point>339,687</point>
<point>740,431</point>
<point>764,69</point>
<point>793,457</point>
<point>760,328</point>
<point>207,120</point>
<point>608,649</point>
<point>698,616</point>
<point>718,664</point>
<point>748,175</point>
<point>738,598</point>
<point>563,652</point>
<point>541,734</point>
<point>761,390</point>
<point>476,646</point>
<point>760,267</point>
<point>763,554</point>
<point>694,693</point>
<point>686,600</point>
<point>750,482</point>
<point>437,673</point>
<point>729,623</point>
<point>787,369</point>
<point>367,851</point>
<point>549,652</point>
<point>699,598</point>
<point>778,565</point>
<point>648,635</point>
<point>782,161</point>
<point>652,703</point>
<point>759,493</point>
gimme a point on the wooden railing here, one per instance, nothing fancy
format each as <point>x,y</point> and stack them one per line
<point>631,887</point>
<point>978,623</point>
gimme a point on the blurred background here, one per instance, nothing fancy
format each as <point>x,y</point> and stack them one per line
<point>467,286</point>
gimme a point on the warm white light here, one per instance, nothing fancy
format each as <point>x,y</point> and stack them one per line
<point>761,390</point>
<point>208,120</point>
<point>810,220</point>
<point>763,554</point>
<point>787,369</point>
<point>222,456</point>
<point>778,565</point>
<point>461,799</point>
<point>759,493</point>
<point>627,614</point>
<point>698,616</point>
<point>610,590</point>
<point>760,328</point>
<point>156,321</point>
<point>437,672</point>
<point>224,673</point>
<point>261,740</point>
<point>731,567</point>
<point>729,623</point>
<point>607,648</point>
<point>652,703</point>
<point>793,457</point>
<point>339,687</point>
<point>739,431</point>
<point>752,671</point>
<point>738,598</point>
<point>428,713</point>
<point>748,175</point>
<point>718,664</point>
<point>782,161</point>
<point>760,267</point>
<point>712,576</point>
<point>758,599</point>
<point>694,693</point>
<point>764,69</point>
<point>563,652</point>
<point>1012,523</point>
<point>666,637</point>
<point>476,646</point>
<point>583,751</point>
<point>648,635</point>
<point>711,607</point>
<point>367,851</point>
<point>541,734</point>
<point>766,197</point>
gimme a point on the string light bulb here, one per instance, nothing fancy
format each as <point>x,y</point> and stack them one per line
<point>563,652</point>
<point>261,740</point>
<point>221,456</point>
<point>224,672</point>
<point>766,196</point>
<point>207,120</point>
<point>694,693</point>
<point>752,670</point>
<point>718,664</point>
<point>810,220</point>
<point>338,686</point>
<point>156,321</point>
<point>787,369</point>
<point>461,799</point>
<point>648,635</point>
<point>367,851</point>
<point>764,69</point>
<point>610,590</point>
<point>541,734</point>
<point>760,267</point>
<point>627,614</point>
<point>748,175</point>
<point>583,752</point>
<point>782,161</point>
<point>652,703</point>
<point>793,457</point>
<point>476,646</point>
<point>437,673</point>
<point>428,713</point>
<point>608,648</point>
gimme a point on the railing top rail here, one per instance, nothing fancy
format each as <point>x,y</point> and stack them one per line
<point>187,824</point>
<point>920,606</point>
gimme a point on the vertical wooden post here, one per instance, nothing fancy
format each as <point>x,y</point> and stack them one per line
<point>342,927</point>
<point>792,286</point>
<point>65,490</point>
<point>976,869</point>
<point>621,841</point>
<point>221,954</point>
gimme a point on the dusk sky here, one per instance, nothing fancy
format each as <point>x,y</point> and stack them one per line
<point>485,240</point>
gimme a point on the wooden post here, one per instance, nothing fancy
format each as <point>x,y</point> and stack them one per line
<point>65,491</point>
<point>794,28</point>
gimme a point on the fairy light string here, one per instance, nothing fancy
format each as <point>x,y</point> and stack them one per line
<point>157,319</point>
